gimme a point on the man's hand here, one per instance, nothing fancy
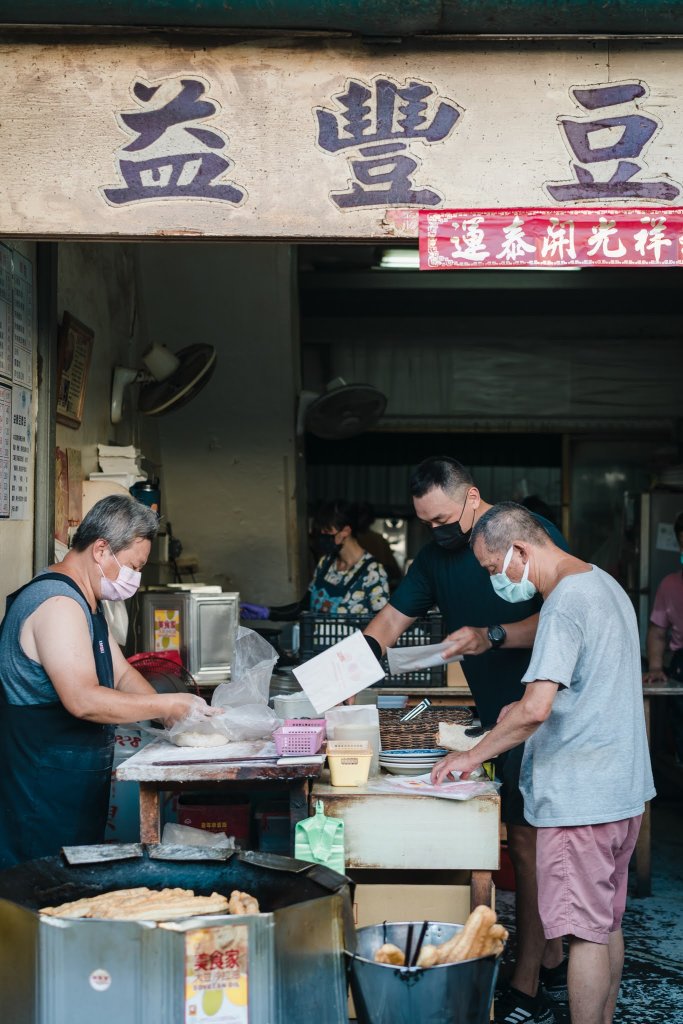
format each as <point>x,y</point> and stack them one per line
<point>455,762</point>
<point>657,675</point>
<point>177,706</point>
<point>468,640</point>
<point>506,710</point>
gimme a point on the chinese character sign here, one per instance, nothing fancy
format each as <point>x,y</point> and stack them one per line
<point>607,143</point>
<point>376,123</point>
<point>450,239</point>
<point>174,153</point>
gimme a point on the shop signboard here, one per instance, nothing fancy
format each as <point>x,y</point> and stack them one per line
<point>302,138</point>
<point>452,239</point>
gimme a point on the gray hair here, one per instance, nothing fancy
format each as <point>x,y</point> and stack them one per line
<point>119,520</point>
<point>506,523</point>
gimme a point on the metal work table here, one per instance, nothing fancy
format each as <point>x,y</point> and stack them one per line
<point>403,831</point>
<point>643,847</point>
<point>220,776</point>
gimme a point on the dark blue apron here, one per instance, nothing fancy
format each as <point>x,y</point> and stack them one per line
<point>55,769</point>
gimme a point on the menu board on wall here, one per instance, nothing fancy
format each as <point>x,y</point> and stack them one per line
<point>5,312</point>
<point>5,447</point>
<point>21,432</point>
<point>22,321</point>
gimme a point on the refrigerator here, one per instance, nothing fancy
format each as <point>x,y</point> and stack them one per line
<point>650,549</point>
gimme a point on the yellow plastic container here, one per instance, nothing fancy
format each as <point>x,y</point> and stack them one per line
<point>349,762</point>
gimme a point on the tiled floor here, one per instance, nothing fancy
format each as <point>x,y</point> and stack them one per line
<point>652,986</point>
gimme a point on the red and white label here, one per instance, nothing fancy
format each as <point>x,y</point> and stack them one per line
<point>100,980</point>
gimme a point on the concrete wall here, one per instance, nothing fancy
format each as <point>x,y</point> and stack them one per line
<point>16,536</point>
<point>229,457</point>
<point>97,284</point>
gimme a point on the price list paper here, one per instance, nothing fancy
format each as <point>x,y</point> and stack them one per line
<point>22,322</point>
<point>5,312</point>
<point>21,433</point>
<point>5,447</point>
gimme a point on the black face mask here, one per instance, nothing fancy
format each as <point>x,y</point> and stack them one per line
<point>325,544</point>
<point>451,536</point>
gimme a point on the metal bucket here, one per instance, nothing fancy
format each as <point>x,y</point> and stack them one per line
<point>449,994</point>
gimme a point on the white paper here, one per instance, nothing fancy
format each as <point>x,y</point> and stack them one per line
<point>22,431</point>
<point>339,672</point>
<point>411,659</point>
<point>421,785</point>
<point>301,759</point>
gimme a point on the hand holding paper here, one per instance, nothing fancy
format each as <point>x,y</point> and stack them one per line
<point>411,659</point>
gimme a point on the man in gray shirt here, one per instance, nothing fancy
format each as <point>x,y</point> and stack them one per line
<point>586,771</point>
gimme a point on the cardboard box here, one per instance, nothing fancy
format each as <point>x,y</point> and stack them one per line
<point>376,903</point>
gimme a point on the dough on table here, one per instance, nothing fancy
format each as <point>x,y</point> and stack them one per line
<point>199,739</point>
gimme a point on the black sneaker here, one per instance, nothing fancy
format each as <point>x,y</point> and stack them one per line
<point>554,981</point>
<point>514,1007</point>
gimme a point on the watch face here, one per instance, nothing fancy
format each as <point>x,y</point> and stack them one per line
<point>496,634</point>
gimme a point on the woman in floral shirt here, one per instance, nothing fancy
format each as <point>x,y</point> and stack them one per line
<point>347,579</point>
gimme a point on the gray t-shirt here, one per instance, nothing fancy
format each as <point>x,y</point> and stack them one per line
<point>588,762</point>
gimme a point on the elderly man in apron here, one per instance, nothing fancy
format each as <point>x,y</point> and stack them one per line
<point>64,685</point>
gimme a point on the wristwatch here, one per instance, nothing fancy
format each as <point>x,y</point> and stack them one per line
<point>496,636</point>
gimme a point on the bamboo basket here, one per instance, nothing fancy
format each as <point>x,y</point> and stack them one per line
<point>422,731</point>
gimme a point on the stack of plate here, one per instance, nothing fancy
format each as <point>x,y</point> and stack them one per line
<point>411,762</point>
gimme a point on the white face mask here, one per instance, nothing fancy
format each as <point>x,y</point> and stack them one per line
<point>124,586</point>
<point>523,590</point>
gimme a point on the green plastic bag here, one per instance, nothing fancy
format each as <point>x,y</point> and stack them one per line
<point>320,840</point>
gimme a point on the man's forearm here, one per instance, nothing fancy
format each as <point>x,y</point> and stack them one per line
<point>521,634</point>
<point>112,707</point>
<point>517,726</point>
<point>387,626</point>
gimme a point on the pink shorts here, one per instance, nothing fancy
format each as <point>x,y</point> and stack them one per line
<point>583,876</point>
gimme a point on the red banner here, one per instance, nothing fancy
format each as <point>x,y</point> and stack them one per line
<point>452,239</point>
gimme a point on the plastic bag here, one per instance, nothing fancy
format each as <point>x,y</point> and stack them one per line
<point>356,722</point>
<point>244,701</point>
<point>185,835</point>
<point>245,698</point>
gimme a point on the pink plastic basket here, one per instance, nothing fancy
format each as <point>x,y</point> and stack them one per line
<point>309,723</point>
<point>298,739</point>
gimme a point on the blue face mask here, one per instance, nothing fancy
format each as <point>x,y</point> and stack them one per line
<point>509,591</point>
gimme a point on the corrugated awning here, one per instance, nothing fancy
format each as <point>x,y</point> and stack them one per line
<point>366,17</point>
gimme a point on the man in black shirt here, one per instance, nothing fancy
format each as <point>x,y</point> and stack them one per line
<point>496,638</point>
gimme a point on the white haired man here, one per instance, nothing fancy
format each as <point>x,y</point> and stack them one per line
<point>586,770</point>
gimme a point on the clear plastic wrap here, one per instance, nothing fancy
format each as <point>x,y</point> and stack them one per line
<point>185,835</point>
<point>243,701</point>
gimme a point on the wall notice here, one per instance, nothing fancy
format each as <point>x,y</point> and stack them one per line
<point>5,312</point>
<point>5,447</point>
<point>22,431</point>
<point>22,321</point>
